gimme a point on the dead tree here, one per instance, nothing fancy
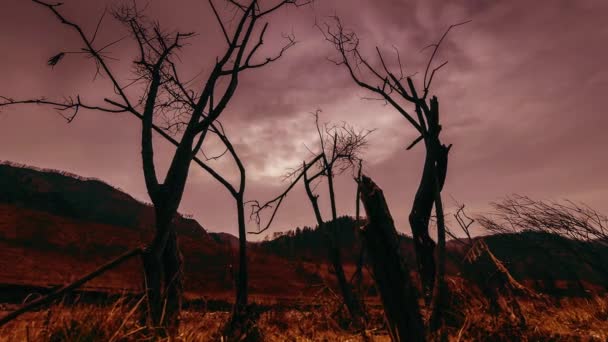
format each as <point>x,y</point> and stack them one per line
<point>397,290</point>
<point>585,229</point>
<point>339,148</point>
<point>357,278</point>
<point>487,271</point>
<point>496,285</point>
<point>398,90</point>
<point>237,324</point>
<point>160,92</point>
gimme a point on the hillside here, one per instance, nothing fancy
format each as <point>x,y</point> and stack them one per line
<point>56,226</point>
<point>548,263</point>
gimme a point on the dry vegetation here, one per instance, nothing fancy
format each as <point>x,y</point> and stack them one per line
<point>570,319</point>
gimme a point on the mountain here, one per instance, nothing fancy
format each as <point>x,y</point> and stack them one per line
<point>56,226</point>
<point>553,263</point>
<point>311,244</point>
<point>548,263</point>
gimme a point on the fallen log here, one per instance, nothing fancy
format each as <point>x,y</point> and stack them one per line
<point>69,287</point>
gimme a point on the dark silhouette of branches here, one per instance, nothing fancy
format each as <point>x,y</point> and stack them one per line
<point>464,222</point>
<point>70,105</point>
<point>398,91</point>
<point>239,313</point>
<point>188,109</point>
<point>567,218</point>
<point>339,150</point>
<point>586,229</point>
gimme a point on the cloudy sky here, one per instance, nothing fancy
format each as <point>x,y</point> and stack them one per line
<point>522,101</point>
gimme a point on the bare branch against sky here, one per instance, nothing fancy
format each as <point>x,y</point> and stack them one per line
<point>514,70</point>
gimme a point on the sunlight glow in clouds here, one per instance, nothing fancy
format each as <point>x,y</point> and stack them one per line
<point>522,100</point>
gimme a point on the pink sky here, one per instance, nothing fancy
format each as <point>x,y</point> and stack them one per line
<point>522,98</point>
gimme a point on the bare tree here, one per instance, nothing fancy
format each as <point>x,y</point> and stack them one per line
<point>398,293</point>
<point>585,228</point>
<point>339,149</point>
<point>399,90</point>
<point>239,313</point>
<point>357,278</point>
<point>570,219</point>
<point>497,284</point>
<point>162,93</point>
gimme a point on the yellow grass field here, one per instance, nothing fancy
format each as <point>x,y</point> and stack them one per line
<point>573,319</point>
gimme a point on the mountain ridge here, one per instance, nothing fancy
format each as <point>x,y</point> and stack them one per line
<point>80,223</point>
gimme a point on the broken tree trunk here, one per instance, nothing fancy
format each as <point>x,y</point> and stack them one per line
<point>67,288</point>
<point>397,291</point>
<point>496,281</point>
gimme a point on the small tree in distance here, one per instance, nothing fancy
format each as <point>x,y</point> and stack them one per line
<point>339,151</point>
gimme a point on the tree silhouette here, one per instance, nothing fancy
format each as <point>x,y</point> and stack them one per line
<point>586,229</point>
<point>160,92</point>
<point>399,90</point>
<point>339,151</point>
<point>239,313</point>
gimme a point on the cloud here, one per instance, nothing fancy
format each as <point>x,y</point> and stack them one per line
<point>522,100</point>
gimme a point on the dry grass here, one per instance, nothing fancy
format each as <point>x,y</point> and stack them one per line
<point>557,320</point>
<point>571,319</point>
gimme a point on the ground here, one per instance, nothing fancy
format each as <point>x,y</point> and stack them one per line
<point>573,319</point>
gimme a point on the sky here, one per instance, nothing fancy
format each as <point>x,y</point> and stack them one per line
<point>522,101</point>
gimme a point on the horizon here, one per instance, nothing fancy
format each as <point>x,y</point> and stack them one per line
<point>516,95</point>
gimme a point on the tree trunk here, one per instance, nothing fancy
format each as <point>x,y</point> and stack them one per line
<point>164,281</point>
<point>440,290</point>
<point>429,193</point>
<point>313,199</point>
<point>353,303</point>
<point>162,260</point>
<point>241,302</point>
<point>420,216</point>
<point>397,291</point>
<point>358,194</point>
<point>357,278</point>
<point>174,287</point>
